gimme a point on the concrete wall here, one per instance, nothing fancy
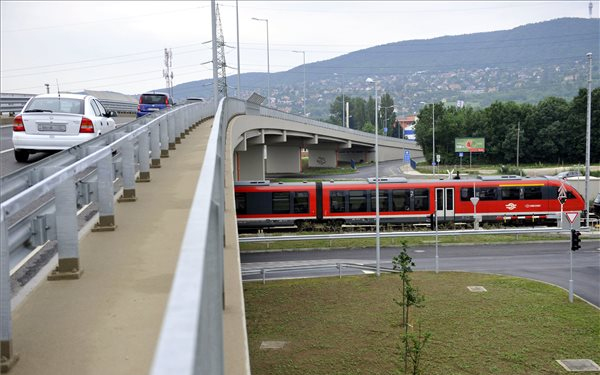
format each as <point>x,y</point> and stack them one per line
<point>283,159</point>
<point>322,158</point>
<point>250,164</point>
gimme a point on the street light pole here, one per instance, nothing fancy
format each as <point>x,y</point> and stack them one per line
<point>433,157</point>
<point>377,234</point>
<point>268,63</point>
<point>587,139</point>
<point>304,71</point>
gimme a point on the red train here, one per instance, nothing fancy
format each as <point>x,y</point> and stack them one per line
<point>501,199</point>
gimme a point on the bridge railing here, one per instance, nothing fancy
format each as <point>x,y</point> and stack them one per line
<point>191,338</point>
<point>40,203</point>
<point>13,103</point>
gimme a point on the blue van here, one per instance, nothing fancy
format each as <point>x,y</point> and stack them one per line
<point>152,102</point>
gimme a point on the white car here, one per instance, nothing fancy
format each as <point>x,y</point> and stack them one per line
<point>51,122</point>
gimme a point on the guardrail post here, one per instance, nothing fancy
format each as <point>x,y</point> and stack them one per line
<point>155,145</point>
<point>7,357</point>
<point>66,232</point>
<point>172,135</point>
<point>128,172</point>
<point>164,137</point>
<point>144,157</point>
<point>183,123</point>
<point>188,121</point>
<point>106,211</point>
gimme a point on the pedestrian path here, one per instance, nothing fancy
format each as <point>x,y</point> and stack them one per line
<point>108,322</point>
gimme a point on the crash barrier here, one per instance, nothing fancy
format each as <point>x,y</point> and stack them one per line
<point>40,203</point>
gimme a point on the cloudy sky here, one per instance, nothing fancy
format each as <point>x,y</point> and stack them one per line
<point>119,45</point>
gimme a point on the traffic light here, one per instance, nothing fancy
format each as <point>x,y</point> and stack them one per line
<point>575,241</point>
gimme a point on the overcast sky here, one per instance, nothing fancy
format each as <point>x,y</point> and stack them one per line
<point>119,45</point>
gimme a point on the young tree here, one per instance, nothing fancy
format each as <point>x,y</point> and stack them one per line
<point>413,345</point>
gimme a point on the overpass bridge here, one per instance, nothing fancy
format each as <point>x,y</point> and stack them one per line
<point>152,286</point>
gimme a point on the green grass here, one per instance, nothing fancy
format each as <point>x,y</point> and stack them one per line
<point>391,242</point>
<point>350,325</point>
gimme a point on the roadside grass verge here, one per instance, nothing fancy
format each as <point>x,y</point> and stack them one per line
<point>392,242</point>
<point>351,325</point>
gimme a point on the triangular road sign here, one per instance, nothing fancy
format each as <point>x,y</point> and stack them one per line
<point>571,216</point>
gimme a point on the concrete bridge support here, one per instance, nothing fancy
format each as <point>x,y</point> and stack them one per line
<point>250,164</point>
<point>284,159</point>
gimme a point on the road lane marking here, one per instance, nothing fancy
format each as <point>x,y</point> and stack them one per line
<point>7,150</point>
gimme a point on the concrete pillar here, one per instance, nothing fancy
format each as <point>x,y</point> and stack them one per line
<point>250,164</point>
<point>322,157</point>
<point>173,137</point>
<point>283,159</point>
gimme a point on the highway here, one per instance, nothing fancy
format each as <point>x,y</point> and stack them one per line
<point>8,164</point>
<point>547,262</point>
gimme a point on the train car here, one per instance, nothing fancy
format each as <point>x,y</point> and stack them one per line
<point>264,204</point>
<point>511,199</point>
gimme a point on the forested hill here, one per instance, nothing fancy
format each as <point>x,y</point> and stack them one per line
<point>525,64</point>
<point>546,43</point>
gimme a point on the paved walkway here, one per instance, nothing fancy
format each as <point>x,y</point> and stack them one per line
<point>108,322</point>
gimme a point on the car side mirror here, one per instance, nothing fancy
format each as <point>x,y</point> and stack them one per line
<point>112,114</point>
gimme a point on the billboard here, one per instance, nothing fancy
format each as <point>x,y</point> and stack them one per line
<point>469,144</point>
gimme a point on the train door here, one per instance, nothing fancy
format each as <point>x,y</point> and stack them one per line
<point>445,203</point>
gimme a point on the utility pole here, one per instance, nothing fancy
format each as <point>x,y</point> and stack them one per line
<point>167,73</point>
<point>518,134</point>
<point>237,22</point>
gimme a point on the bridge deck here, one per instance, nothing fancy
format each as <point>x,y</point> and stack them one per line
<point>108,322</point>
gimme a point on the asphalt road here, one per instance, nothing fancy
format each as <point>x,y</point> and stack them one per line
<point>547,262</point>
<point>8,164</point>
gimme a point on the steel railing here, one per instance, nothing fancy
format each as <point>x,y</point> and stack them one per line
<point>13,103</point>
<point>40,203</point>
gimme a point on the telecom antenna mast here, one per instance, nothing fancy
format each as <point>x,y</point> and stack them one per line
<point>167,73</point>
<point>221,64</point>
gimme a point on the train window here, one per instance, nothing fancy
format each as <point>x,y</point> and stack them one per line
<point>466,194</point>
<point>487,193</point>
<point>401,200</point>
<point>281,203</point>
<point>337,201</point>
<point>301,202</point>
<point>240,203</point>
<point>357,200</point>
<point>510,193</point>
<point>532,192</point>
<point>383,200</point>
<point>421,199</point>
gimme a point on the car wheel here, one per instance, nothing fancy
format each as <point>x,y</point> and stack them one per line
<point>21,156</point>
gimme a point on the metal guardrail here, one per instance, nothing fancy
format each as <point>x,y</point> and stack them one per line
<point>338,236</point>
<point>13,103</point>
<point>39,203</point>
<point>311,267</point>
<point>191,338</point>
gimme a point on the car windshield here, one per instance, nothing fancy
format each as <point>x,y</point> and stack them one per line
<point>153,99</point>
<point>61,105</point>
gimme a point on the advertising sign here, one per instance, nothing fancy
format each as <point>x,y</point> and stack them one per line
<point>469,144</point>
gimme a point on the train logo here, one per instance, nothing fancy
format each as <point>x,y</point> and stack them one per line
<point>511,206</point>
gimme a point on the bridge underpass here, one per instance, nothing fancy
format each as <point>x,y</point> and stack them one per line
<point>144,274</point>
<point>266,145</point>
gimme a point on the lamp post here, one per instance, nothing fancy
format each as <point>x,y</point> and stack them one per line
<point>377,234</point>
<point>268,63</point>
<point>587,140</point>
<point>304,71</point>
<point>433,158</point>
